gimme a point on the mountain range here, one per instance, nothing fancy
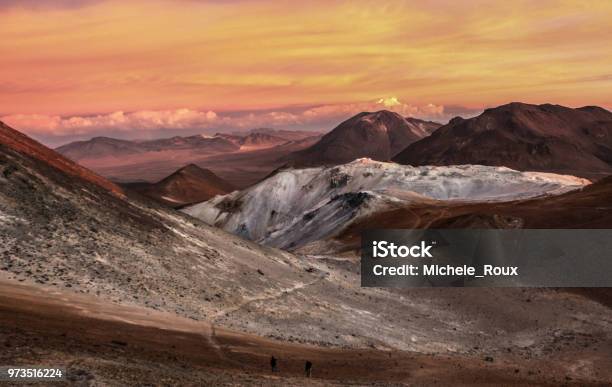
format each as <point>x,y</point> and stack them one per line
<point>240,158</point>
<point>117,287</point>
<point>112,147</point>
<point>525,137</point>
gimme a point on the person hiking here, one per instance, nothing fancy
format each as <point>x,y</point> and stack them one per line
<point>308,368</point>
<point>273,363</point>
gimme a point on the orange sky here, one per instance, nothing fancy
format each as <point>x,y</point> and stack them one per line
<point>102,57</point>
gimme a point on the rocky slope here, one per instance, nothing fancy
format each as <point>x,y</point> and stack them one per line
<point>525,137</point>
<point>189,184</point>
<point>379,136</point>
<point>298,206</point>
<point>587,207</point>
<point>64,226</point>
<point>65,230</point>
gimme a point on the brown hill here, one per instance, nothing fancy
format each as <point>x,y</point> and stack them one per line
<point>190,184</point>
<point>589,207</point>
<point>549,138</point>
<point>379,136</point>
<point>13,141</point>
<point>63,227</point>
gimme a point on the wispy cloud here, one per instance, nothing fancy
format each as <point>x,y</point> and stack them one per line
<point>148,123</point>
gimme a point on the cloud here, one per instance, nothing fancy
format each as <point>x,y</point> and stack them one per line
<point>115,122</point>
<point>164,123</point>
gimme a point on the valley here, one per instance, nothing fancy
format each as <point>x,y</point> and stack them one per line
<point>79,246</point>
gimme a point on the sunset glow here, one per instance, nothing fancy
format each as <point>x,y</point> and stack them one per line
<point>216,57</point>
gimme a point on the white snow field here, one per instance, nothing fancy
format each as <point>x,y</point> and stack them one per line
<point>298,206</point>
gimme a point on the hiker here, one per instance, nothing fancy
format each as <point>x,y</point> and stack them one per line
<point>273,363</point>
<point>308,368</point>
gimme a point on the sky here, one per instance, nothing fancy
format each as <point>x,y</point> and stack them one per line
<point>74,69</point>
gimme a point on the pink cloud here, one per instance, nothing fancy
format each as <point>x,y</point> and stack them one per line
<point>160,123</point>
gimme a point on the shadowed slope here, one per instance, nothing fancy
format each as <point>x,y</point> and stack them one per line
<point>549,138</point>
<point>190,184</point>
<point>379,136</point>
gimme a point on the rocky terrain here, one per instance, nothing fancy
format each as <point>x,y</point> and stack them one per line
<point>298,206</point>
<point>189,184</point>
<point>588,207</point>
<point>378,135</point>
<point>525,137</point>
<point>102,344</point>
<point>84,252</point>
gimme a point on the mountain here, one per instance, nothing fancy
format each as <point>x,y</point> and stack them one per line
<point>240,158</point>
<point>549,138</point>
<point>289,135</point>
<point>101,147</point>
<point>198,143</point>
<point>122,290</point>
<point>588,207</point>
<point>253,140</point>
<point>189,184</point>
<point>379,136</point>
<point>14,141</point>
<point>65,227</point>
<point>297,206</point>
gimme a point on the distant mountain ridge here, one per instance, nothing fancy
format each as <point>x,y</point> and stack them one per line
<point>521,136</point>
<point>377,135</point>
<point>107,146</point>
<point>99,147</point>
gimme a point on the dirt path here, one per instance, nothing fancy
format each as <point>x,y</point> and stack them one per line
<point>267,297</point>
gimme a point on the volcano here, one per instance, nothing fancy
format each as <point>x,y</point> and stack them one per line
<point>549,138</point>
<point>189,184</point>
<point>378,136</point>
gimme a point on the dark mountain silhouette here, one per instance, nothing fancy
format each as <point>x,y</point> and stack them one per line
<point>549,138</point>
<point>190,184</point>
<point>379,136</point>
